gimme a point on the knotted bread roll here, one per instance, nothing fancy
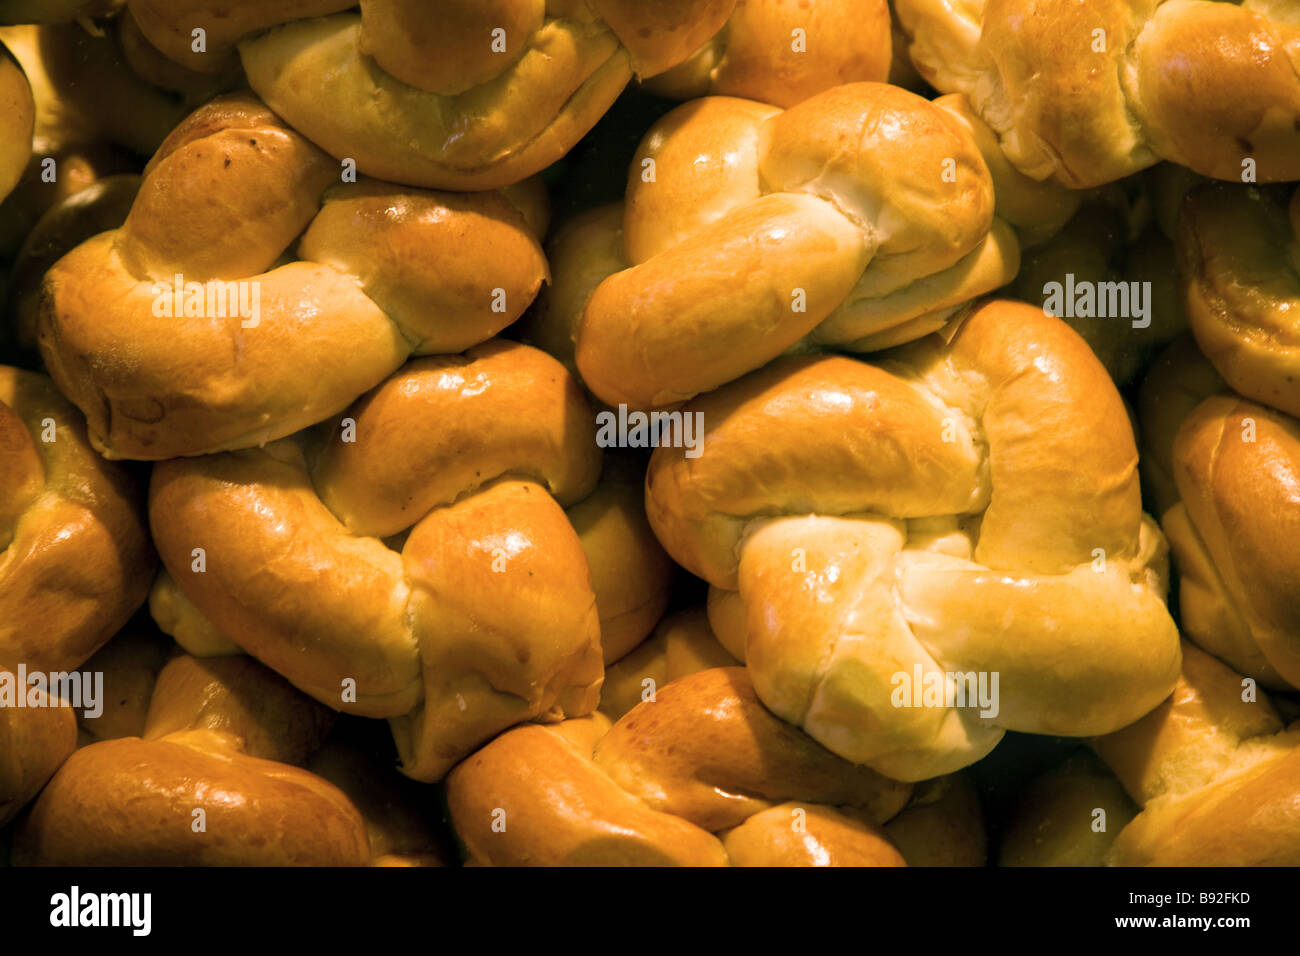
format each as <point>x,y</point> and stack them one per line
<point>412,560</point>
<point>75,557</point>
<point>964,511</point>
<point>702,775</point>
<point>784,51</point>
<point>1239,254</point>
<point>1216,774</point>
<point>631,576</point>
<point>1229,473</point>
<point>455,94</point>
<point>208,782</point>
<point>1088,93</point>
<point>592,246</point>
<point>861,218</point>
<point>189,330</point>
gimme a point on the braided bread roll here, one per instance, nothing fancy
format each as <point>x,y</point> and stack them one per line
<point>631,576</point>
<point>630,573</point>
<point>1230,470</point>
<point>1215,773</point>
<point>457,94</point>
<point>216,739</point>
<point>424,571</point>
<point>385,272</point>
<point>860,218</point>
<point>594,245</point>
<point>970,506</point>
<point>783,51</point>
<point>75,557</point>
<point>702,775</point>
<point>17,121</point>
<point>1237,254</point>
<point>941,824</point>
<point>1088,93</point>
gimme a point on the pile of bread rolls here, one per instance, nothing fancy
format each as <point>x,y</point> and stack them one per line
<point>600,432</point>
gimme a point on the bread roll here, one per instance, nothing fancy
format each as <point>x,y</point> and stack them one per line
<point>75,556</point>
<point>747,229</point>
<point>1216,775</point>
<point>967,508</point>
<point>204,785</point>
<point>411,560</point>
<point>1088,93</point>
<point>699,775</point>
<point>782,52</point>
<point>457,94</point>
<point>195,287</point>
<point>1235,250</point>
<point>133,802</point>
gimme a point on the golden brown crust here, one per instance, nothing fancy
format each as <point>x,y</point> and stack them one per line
<point>133,802</point>
<point>74,551</point>
<point>861,217</point>
<point>474,611</point>
<point>685,753</point>
<point>1179,380</point>
<point>531,797</point>
<point>795,835</point>
<point>1216,775</point>
<point>1242,288</point>
<point>1235,531</point>
<point>34,741</point>
<point>631,575</point>
<point>537,795</point>
<point>784,51</point>
<point>17,120</point>
<point>216,353</point>
<point>463,96</point>
<point>918,514</point>
<point>237,697</point>
<point>1089,93</point>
